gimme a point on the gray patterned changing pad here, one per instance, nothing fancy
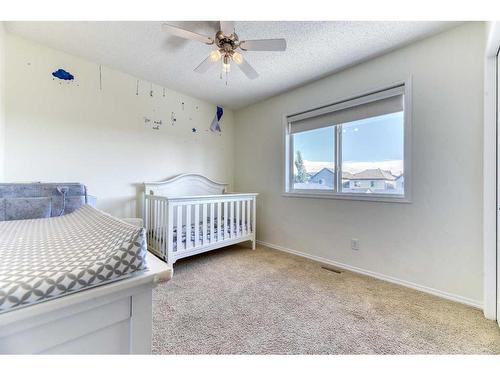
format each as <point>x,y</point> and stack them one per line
<point>41,259</point>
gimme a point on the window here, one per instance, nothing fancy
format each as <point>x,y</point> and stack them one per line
<point>351,149</point>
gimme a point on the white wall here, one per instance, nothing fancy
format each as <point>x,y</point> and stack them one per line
<point>2,99</point>
<point>490,172</point>
<point>434,242</point>
<point>57,131</point>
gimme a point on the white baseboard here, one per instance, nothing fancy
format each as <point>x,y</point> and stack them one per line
<point>409,284</point>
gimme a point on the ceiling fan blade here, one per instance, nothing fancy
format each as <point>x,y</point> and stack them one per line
<point>204,65</point>
<point>263,45</point>
<point>227,27</point>
<point>186,34</point>
<point>246,68</point>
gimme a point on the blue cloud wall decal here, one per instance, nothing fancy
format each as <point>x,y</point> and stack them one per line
<point>62,74</point>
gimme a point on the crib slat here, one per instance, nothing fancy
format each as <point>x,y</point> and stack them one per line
<point>225,233</point>
<point>243,218</point>
<point>180,244</point>
<point>156,223</point>
<point>170,231</point>
<point>231,221</point>
<point>196,225</point>
<point>254,217</point>
<point>227,220</point>
<point>151,224</point>
<point>204,227</point>
<point>161,227</point>
<point>164,228</point>
<point>147,222</point>
<point>146,219</point>
<point>237,220</point>
<point>158,226</point>
<point>188,227</point>
<point>212,220</point>
<point>219,222</point>
<point>151,213</point>
<point>249,212</point>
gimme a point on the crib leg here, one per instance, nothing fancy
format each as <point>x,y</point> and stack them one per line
<point>170,262</point>
<point>253,244</point>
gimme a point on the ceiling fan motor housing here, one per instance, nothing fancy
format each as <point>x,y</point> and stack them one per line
<point>226,43</point>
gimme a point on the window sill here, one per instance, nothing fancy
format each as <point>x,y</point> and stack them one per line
<point>345,196</point>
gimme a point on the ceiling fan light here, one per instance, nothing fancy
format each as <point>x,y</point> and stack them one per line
<point>226,68</point>
<point>215,55</point>
<point>238,58</point>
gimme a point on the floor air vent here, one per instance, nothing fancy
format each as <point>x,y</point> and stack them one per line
<point>331,269</point>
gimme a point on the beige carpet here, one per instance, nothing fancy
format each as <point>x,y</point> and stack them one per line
<point>267,302</point>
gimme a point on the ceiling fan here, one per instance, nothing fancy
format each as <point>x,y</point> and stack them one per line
<point>227,43</point>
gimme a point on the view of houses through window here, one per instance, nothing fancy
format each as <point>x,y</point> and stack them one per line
<point>371,157</point>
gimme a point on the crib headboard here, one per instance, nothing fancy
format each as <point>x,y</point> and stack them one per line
<point>188,184</point>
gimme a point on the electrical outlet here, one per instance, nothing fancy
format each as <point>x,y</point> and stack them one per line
<point>354,244</point>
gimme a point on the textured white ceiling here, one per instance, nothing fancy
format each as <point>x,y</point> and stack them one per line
<point>315,49</point>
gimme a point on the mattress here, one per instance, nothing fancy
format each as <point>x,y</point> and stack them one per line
<point>42,259</point>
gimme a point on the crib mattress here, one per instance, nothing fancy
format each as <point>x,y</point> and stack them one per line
<point>42,259</point>
<point>224,232</point>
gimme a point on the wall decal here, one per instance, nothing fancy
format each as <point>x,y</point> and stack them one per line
<point>154,124</point>
<point>173,119</point>
<point>151,90</point>
<point>137,88</point>
<point>157,124</point>
<point>164,91</point>
<point>215,126</point>
<point>193,130</point>
<point>64,75</point>
<point>183,106</point>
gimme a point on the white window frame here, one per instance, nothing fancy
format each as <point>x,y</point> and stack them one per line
<point>288,190</point>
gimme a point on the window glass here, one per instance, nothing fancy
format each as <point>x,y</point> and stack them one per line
<point>373,155</point>
<point>313,159</point>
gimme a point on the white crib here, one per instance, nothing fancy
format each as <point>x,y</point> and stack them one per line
<point>191,214</point>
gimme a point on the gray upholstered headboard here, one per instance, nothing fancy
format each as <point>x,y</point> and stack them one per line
<point>39,200</point>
